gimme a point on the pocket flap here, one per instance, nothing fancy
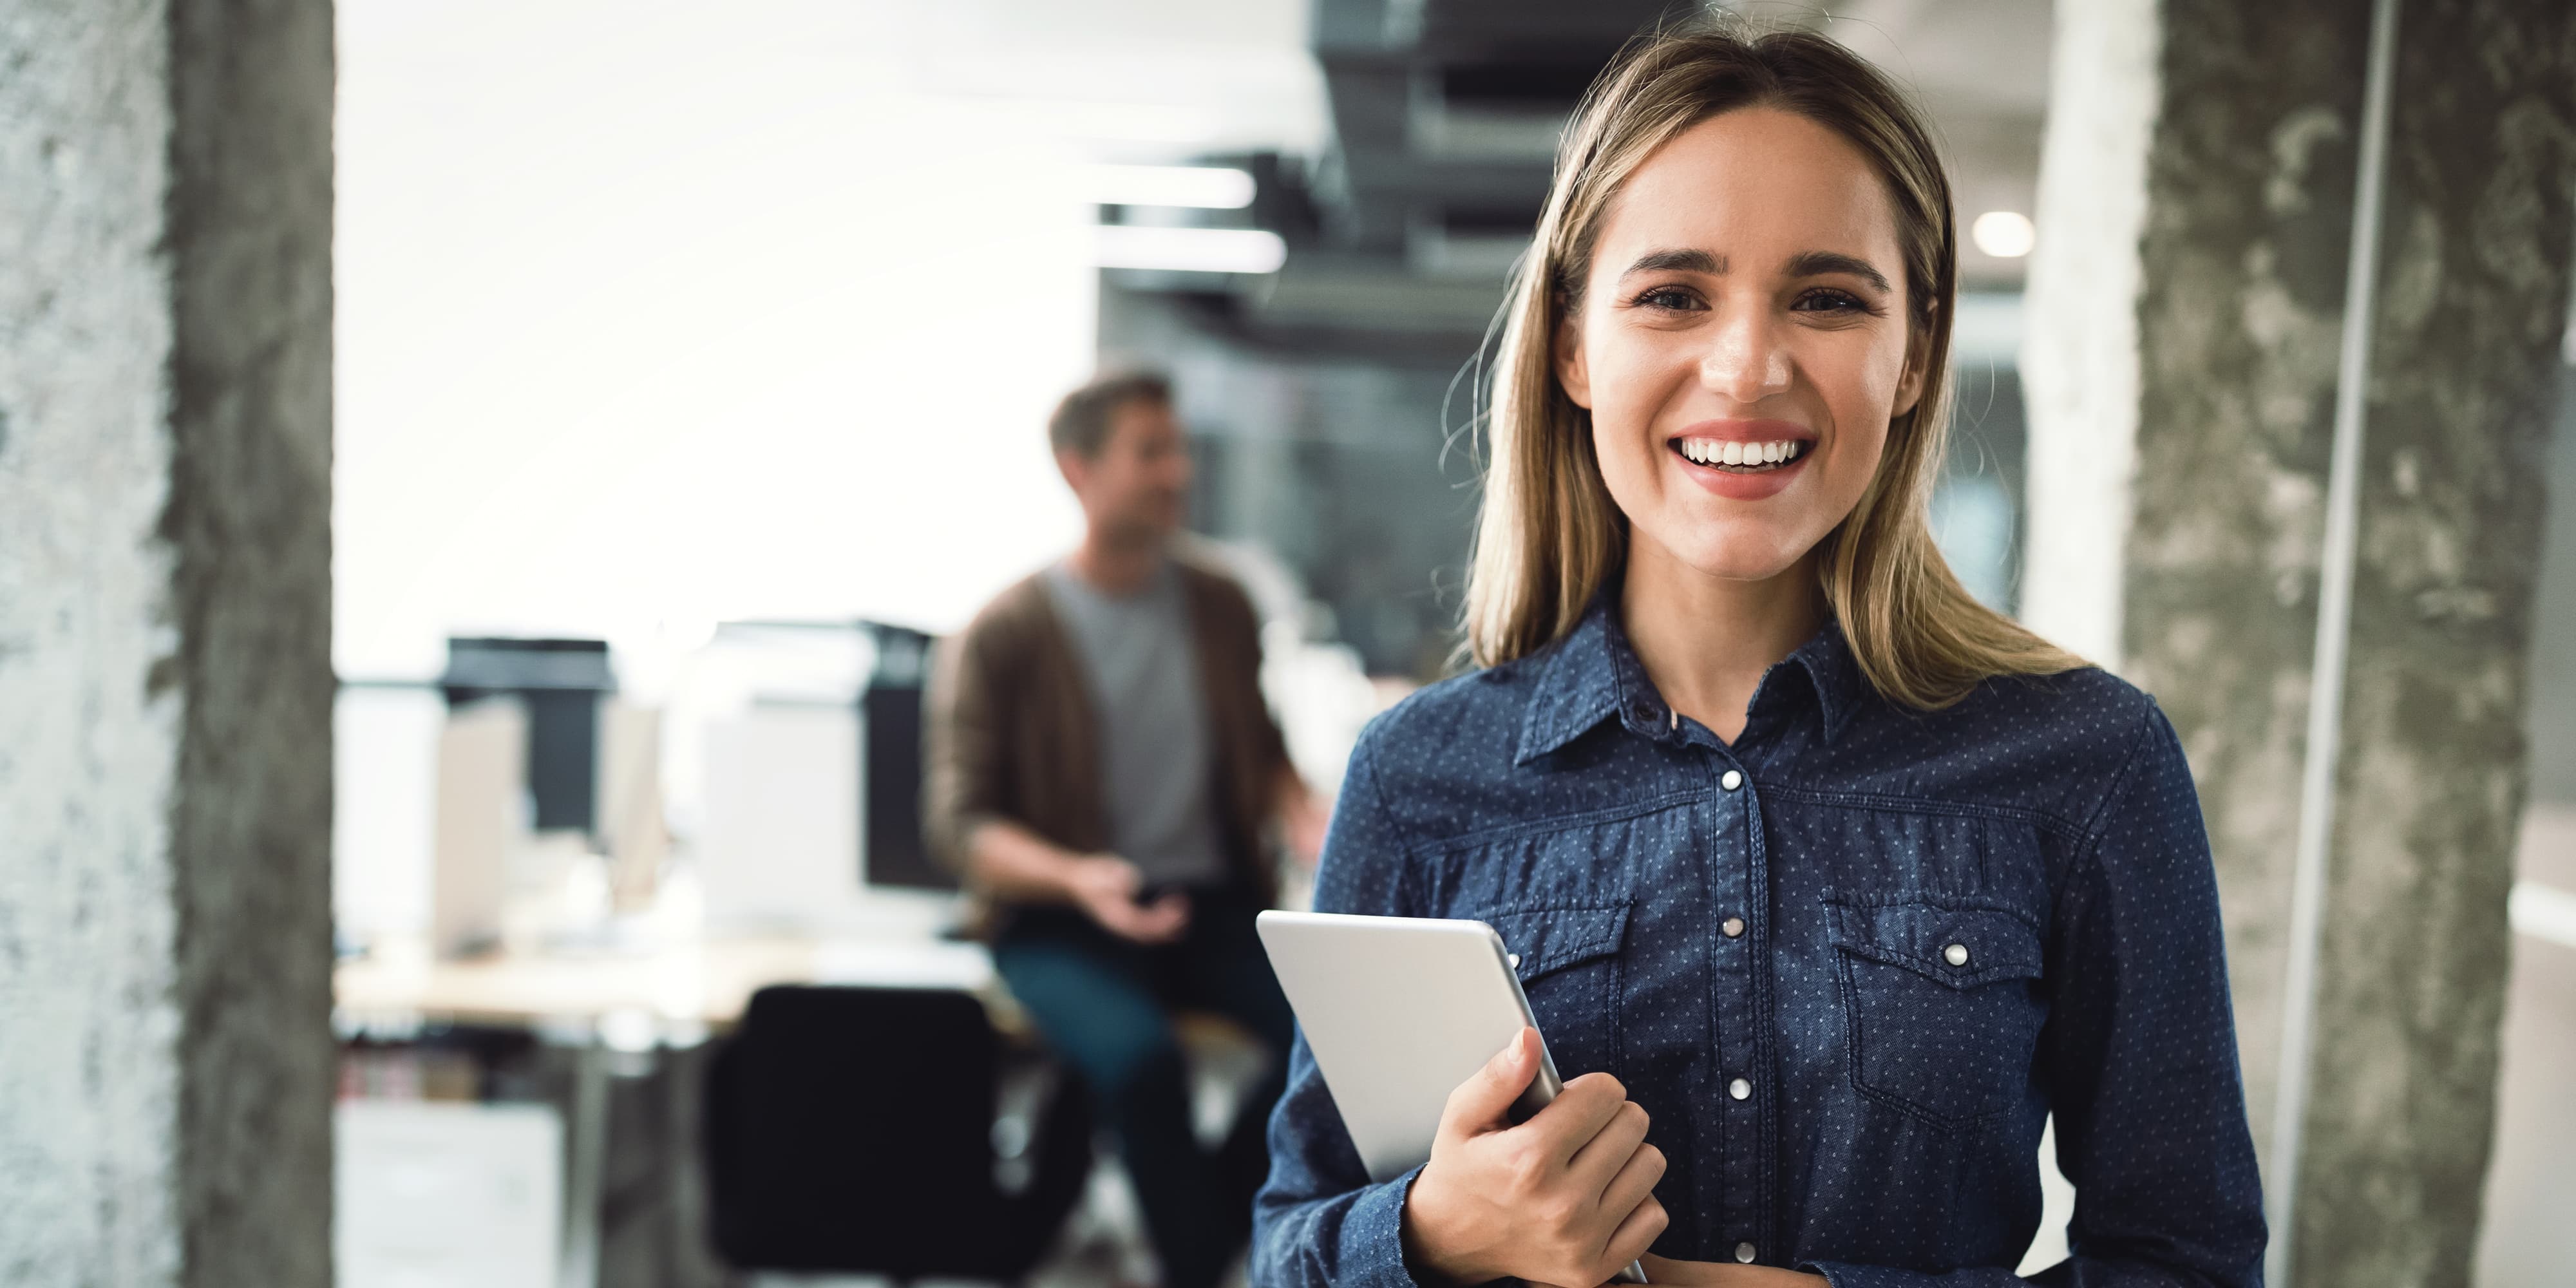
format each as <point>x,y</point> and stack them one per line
<point>1551,938</point>
<point>1962,946</point>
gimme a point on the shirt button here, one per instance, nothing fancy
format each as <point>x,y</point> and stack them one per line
<point>1955,954</point>
<point>1730,780</point>
<point>1740,1089</point>
<point>1744,1253</point>
<point>1514,959</point>
<point>1732,927</point>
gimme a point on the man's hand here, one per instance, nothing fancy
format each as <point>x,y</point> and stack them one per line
<point>1104,886</point>
<point>1304,817</point>
<point>1303,822</point>
<point>1567,1197</point>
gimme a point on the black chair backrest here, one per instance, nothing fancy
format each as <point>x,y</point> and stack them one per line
<point>850,1128</point>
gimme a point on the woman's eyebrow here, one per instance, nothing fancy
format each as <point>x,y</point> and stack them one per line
<point>1817,263</point>
<point>1681,261</point>
<point>1812,263</point>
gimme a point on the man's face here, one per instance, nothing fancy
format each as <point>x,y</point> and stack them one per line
<point>1137,488</point>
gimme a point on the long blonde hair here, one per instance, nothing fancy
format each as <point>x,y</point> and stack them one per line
<point>1549,534</point>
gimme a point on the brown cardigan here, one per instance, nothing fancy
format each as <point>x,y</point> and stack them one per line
<point>1011,735</point>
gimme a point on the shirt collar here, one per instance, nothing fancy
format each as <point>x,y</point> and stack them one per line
<point>1593,674</point>
<point>1841,689</point>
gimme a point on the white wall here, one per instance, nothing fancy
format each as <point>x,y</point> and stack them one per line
<point>655,313</point>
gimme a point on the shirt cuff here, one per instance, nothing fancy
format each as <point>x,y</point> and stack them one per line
<point>1373,1237</point>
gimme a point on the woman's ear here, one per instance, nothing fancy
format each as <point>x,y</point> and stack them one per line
<point>1571,373</point>
<point>1918,361</point>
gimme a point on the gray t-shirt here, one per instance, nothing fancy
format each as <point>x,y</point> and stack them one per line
<point>1155,750</point>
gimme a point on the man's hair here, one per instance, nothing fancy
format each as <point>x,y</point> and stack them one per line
<point>1081,422</point>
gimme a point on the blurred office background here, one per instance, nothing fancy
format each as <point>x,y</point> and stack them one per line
<point>674,347</point>
<point>690,372</point>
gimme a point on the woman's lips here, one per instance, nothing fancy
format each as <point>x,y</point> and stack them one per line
<point>1765,456</point>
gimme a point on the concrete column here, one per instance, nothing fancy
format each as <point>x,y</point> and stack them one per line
<point>165,671</point>
<point>2239,136</point>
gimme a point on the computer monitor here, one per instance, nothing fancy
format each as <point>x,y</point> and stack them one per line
<point>893,850</point>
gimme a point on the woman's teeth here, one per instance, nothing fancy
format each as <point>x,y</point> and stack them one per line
<point>1758,456</point>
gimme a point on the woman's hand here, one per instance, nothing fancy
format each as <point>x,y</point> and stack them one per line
<point>1720,1274</point>
<point>1567,1197</point>
<point>1716,1274</point>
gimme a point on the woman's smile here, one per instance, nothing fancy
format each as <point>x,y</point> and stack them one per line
<point>1742,460</point>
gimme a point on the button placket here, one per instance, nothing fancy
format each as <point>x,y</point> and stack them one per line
<point>1740,1204</point>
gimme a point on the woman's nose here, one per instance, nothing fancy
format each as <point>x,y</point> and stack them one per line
<point>1745,360</point>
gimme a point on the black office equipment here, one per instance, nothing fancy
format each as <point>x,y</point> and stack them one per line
<point>560,683</point>
<point>850,1130</point>
<point>890,712</point>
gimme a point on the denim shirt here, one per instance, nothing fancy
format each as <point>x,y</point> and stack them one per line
<point>1849,964</point>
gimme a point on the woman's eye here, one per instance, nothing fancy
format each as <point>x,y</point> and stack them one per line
<point>1830,301</point>
<point>1669,298</point>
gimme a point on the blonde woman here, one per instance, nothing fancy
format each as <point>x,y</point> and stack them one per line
<point>1829,882</point>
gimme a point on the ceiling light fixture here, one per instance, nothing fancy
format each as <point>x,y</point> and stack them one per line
<point>1198,187</point>
<point>2004,234</point>
<point>1188,250</point>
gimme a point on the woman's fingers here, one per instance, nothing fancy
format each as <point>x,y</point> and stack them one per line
<point>1481,1102</point>
<point>1635,1181</point>
<point>1610,1148</point>
<point>1578,1114</point>
<point>1644,1224</point>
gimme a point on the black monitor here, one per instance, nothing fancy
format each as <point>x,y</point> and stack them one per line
<point>894,851</point>
<point>559,682</point>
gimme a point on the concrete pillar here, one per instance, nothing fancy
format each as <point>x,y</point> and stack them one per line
<point>165,671</point>
<point>2187,304</point>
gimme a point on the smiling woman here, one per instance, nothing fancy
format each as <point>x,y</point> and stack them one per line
<point>1714,263</point>
<point>1873,880</point>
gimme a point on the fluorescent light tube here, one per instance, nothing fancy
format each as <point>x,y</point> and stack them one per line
<point>1189,250</point>
<point>1199,187</point>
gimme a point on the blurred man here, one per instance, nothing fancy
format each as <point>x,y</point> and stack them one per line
<point>1101,770</point>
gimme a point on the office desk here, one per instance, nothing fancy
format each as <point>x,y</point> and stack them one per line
<point>677,991</point>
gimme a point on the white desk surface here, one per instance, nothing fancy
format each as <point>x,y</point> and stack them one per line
<point>704,981</point>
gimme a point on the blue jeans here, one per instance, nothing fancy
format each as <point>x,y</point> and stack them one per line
<point>1105,1004</point>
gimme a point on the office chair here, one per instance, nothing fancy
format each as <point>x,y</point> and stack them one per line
<point>850,1130</point>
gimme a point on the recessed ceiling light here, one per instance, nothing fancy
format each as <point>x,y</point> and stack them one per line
<point>2004,234</point>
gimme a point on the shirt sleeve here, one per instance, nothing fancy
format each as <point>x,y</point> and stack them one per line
<point>1320,1222</point>
<point>2139,1055</point>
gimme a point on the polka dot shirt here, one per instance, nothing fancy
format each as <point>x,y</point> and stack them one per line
<point>1849,964</point>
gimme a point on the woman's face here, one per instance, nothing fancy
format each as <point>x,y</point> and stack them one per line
<point>1742,342</point>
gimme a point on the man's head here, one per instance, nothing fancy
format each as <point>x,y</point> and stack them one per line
<point>1123,454</point>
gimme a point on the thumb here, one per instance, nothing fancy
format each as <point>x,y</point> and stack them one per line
<point>1484,1101</point>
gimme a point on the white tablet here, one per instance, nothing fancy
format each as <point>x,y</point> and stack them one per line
<point>1399,1011</point>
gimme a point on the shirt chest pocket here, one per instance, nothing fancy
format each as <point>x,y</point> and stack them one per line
<point>1943,1004</point>
<point>1568,963</point>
